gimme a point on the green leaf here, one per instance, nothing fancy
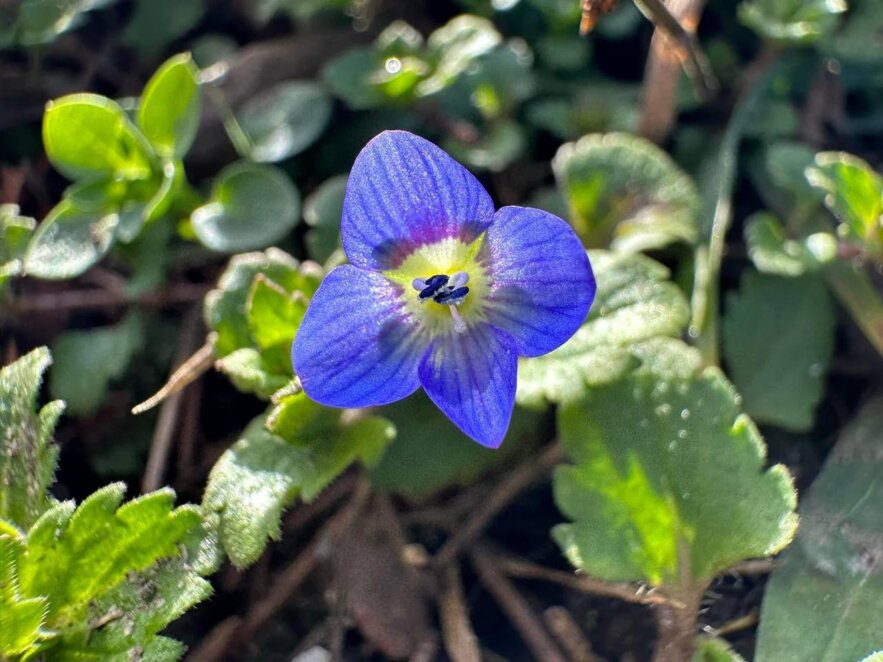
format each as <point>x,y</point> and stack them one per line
<point>285,119</point>
<point>41,21</point>
<point>668,485</point>
<point>822,602</point>
<point>634,304</point>
<point>274,315</point>
<point>170,105</point>
<point>625,190</point>
<point>262,473</point>
<point>712,649</point>
<point>155,24</point>
<point>322,212</point>
<point>15,233</point>
<point>225,307</point>
<point>773,252</point>
<point>251,371</point>
<point>109,576</point>
<point>494,151</point>
<point>779,366</point>
<point>20,618</point>
<point>27,454</point>
<point>854,194</point>
<point>859,36</point>
<point>791,21</point>
<point>87,361</point>
<point>69,241</point>
<point>251,206</point>
<point>429,454</point>
<point>90,136</point>
<point>454,47</point>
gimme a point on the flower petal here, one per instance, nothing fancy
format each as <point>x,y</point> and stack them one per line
<point>405,192</point>
<point>542,282</point>
<point>357,346</point>
<point>471,377</point>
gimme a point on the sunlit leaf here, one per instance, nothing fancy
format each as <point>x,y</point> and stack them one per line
<point>27,454</point>
<point>170,105</point>
<point>625,190</point>
<point>773,252</point>
<point>791,21</point>
<point>263,473</point>
<point>668,485</point>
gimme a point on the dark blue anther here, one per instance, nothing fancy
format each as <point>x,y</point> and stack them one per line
<point>433,285</point>
<point>452,297</point>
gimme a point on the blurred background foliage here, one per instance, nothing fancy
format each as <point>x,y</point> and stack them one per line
<point>171,182</point>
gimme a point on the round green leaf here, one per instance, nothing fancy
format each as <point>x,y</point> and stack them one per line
<point>251,206</point>
<point>89,136</point>
<point>169,110</point>
<point>285,120</point>
<point>69,241</point>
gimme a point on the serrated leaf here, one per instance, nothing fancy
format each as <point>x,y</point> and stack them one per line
<point>20,618</point>
<point>791,21</point>
<point>778,334</point>
<point>624,191</point>
<point>69,241</point>
<point>95,547</point>
<point>274,314</point>
<point>822,602</point>
<point>225,307</point>
<point>428,455</point>
<point>712,649</point>
<point>668,485</point>
<point>110,576</point>
<point>87,361</point>
<point>252,372</point>
<point>251,206</point>
<point>854,194</point>
<point>27,454</point>
<point>262,473</point>
<point>634,304</point>
<point>90,136</point>
<point>772,252</point>
<point>168,114</point>
<point>285,119</point>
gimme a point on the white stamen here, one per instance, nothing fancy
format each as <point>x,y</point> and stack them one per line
<point>459,279</point>
<point>459,324</point>
<point>418,284</point>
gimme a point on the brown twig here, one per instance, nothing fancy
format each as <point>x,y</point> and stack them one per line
<point>168,415</point>
<point>753,567</point>
<point>305,513</point>
<point>674,45</point>
<point>459,638</point>
<point>185,374</point>
<point>583,583</point>
<point>568,633</point>
<point>736,625</point>
<point>286,583</point>
<point>521,478</point>
<point>515,607</point>
<point>93,299</point>
<point>192,401</point>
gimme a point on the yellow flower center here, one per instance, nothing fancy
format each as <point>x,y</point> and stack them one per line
<point>453,258</point>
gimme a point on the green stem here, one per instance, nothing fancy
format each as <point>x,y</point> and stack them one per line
<point>241,142</point>
<point>855,291</point>
<point>709,254</point>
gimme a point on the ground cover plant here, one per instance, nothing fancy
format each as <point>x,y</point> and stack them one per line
<point>372,329</point>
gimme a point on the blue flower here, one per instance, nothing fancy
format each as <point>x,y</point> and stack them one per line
<point>441,291</point>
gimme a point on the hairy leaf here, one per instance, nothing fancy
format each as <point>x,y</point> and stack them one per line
<point>625,190</point>
<point>823,601</point>
<point>778,334</point>
<point>27,454</point>
<point>668,485</point>
<point>635,304</point>
<point>263,473</point>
